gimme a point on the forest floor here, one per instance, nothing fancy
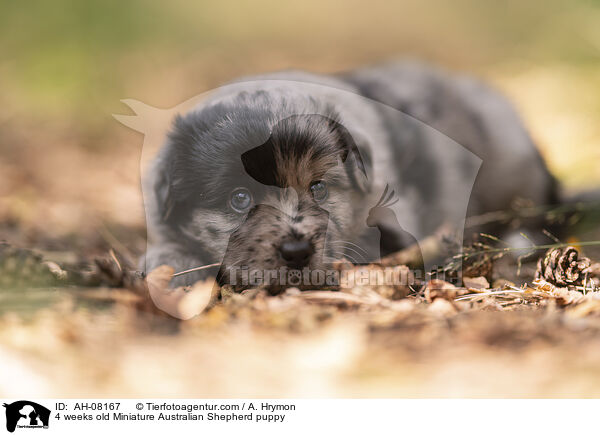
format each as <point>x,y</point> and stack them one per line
<point>97,333</point>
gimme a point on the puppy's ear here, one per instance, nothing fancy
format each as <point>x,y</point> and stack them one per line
<point>260,163</point>
<point>168,164</point>
<point>355,156</point>
<point>162,191</point>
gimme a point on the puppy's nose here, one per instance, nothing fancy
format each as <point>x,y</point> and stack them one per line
<point>297,253</point>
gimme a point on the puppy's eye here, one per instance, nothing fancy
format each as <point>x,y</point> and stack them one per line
<point>240,200</point>
<point>319,190</point>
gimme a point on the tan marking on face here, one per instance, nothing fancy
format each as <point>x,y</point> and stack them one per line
<point>300,173</point>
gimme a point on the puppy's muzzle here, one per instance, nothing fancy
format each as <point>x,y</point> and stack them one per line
<point>296,253</point>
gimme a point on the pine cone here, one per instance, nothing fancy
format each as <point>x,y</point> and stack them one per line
<point>563,267</point>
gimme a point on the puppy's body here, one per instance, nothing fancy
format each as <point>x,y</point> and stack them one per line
<point>474,116</point>
<point>278,136</point>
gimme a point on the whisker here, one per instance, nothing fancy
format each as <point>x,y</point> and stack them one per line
<point>341,247</point>
<point>194,269</point>
<point>345,242</point>
<point>362,257</point>
<point>235,263</point>
<point>351,258</point>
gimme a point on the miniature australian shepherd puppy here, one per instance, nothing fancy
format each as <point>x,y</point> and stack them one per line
<point>294,171</point>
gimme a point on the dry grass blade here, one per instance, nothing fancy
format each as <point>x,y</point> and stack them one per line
<point>491,293</point>
<point>195,269</point>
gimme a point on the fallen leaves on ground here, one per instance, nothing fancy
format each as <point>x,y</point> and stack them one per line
<point>444,340</point>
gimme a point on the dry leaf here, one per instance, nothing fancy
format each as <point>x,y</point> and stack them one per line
<point>438,289</point>
<point>478,283</point>
<point>567,297</point>
<point>391,283</point>
<point>503,283</point>
<point>543,285</point>
<point>182,302</point>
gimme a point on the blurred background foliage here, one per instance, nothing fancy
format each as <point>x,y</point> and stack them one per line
<point>66,64</point>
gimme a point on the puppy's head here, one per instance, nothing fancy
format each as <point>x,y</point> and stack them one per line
<point>260,195</point>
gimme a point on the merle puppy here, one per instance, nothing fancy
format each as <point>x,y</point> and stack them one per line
<point>281,171</point>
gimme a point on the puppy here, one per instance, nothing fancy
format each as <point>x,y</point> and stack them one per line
<point>292,171</point>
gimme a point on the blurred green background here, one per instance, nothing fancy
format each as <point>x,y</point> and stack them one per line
<point>66,64</point>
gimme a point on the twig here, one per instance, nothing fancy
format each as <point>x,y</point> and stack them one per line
<point>115,259</point>
<point>499,216</point>
<point>551,236</point>
<point>526,248</point>
<point>115,243</point>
